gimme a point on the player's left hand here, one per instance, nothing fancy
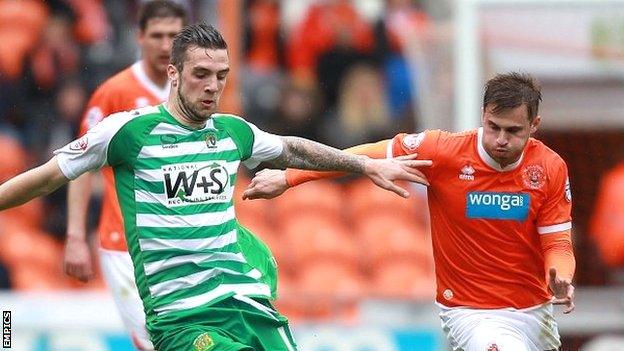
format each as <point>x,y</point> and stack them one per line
<point>562,289</point>
<point>383,172</point>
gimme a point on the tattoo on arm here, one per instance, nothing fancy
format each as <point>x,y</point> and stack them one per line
<point>307,154</point>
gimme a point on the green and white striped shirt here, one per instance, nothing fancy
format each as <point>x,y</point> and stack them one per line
<point>175,187</point>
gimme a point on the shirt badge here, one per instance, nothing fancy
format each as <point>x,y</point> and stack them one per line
<point>534,177</point>
<point>80,144</point>
<point>568,191</point>
<point>413,141</point>
<point>211,140</point>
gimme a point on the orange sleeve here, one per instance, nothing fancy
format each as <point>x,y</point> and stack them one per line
<point>295,177</point>
<point>558,253</point>
<point>557,208</point>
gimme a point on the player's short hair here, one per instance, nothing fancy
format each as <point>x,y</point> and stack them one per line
<point>159,9</point>
<point>201,35</point>
<point>510,90</point>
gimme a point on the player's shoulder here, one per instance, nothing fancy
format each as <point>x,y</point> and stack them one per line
<point>539,151</point>
<point>463,136</point>
<point>437,134</point>
<point>433,143</point>
<point>451,142</point>
<point>124,117</point>
<point>227,118</point>
<point>229,121</point>
<point>152,111</point>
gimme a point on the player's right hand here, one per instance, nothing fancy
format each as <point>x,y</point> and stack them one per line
<point>267,184</point>
<point>562,289</point>
<point>77,261</point>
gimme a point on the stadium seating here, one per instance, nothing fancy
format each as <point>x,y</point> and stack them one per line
<point>364,198</point>
<point>403,278</point>
<point>21,22</point>
<point>384,236</point>
<point>22,244</point>
<point>13,158</point>
<point>323,198</point>
<point>329,289</point>
<point>311,236</point>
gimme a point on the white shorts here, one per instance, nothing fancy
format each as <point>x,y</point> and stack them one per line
<point>119,275</point>
<point>530,329</point>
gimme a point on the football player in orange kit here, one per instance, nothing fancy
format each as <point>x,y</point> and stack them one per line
<point>142,84</point>
<point>500,209</point>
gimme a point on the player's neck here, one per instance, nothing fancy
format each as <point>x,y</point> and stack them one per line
<point>158,78</point>
<point>505,163</point>
<point>181,114</point>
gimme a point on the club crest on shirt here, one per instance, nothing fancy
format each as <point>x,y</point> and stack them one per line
<point>534,177</point>
<point>211,140</point>
<point>492,347</point>
<point>413,141</point>
<point>467,172</point>
<point>80,144</point>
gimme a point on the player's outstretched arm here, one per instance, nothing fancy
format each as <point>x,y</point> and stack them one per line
<point>270,183</point>
<point>306,154</point>
<point>33,183</point>
<point>559,263</point>
<point>77,260</point>
<point>295,177</point>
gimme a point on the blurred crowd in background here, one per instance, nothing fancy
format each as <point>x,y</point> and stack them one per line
<point>329,73</point>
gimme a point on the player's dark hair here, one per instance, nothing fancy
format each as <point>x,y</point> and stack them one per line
<point>510,90</point>
<point>201,35</point>
<point>160,9</point>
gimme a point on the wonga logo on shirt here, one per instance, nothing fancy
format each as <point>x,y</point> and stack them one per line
<point>491,205</point>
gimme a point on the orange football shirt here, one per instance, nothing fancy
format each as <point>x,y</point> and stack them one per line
<point>127,90</point>
<point>486,221</point>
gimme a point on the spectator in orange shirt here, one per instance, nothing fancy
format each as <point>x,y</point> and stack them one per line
<point>326,25</point>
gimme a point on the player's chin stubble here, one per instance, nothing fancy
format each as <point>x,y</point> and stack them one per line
<point>187,108</point>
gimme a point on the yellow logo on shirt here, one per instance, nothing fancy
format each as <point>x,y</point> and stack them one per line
<point>203,342</point>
